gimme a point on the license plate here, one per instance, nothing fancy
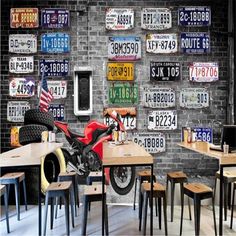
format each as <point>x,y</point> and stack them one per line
<point>22,87</point>
<point>124,48</point>
<point>23,43</point>
<point>159,97</point>
<point>55,18</point>
<point>194,16</point>
<point>204,134</point>
<point>55,43</point>
<point>21,65</point>
<point>194,98</point>
<point>162,120</point>
<point>204,71</point>
<point>161,43</point>
<point>165,71</point>
<point>16,110</point>
<point>195,42</point>
<point>120,71</point>
<point>156,18</point>
<point>24,18</point>
<point>119,18</point>
<point>58,88</point>
<point>123,93</point>
<point>128,116</point>
<point>153,143</point>
<point>51,67</point>
<point>15,136</point>
<point>58,111</point>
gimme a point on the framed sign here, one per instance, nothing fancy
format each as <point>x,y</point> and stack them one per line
<point>152,142</point>
<point>119,18</point>
<point>194,16</point>
<point>22,43</point>
<point>204,71</point>
<point>128,116</point>
<point>16,110</point>
<point>55,18</point>
<point>120,71</point>
<point>24,18</point>
<point>55,43</point>
<point>195,42</point>
<point>194,98</point>
<point>123,93</point>
<point>22,87</point>
<point>127,48</point>
<point>159,97</point>
<point>156,18</point>
<point>54,68</point>
<point>161,43</point>
<point>162,120</point>
<point>21,65</point>
<point>58,111</point>
<point>165,71</point>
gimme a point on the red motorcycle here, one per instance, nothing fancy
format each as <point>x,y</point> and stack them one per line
<point>87,152</point>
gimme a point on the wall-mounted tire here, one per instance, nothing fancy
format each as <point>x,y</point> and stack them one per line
<point>51,165</point>
<point>31,134</point>
<point>35,116</point>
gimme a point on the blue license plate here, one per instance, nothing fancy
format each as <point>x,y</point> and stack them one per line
<point>204,134</point>
<point>55,43</point>
<point>57,111</point>
<point>194,16</point>
<point>195,42</point>
<point>51,67</point>
<point>55,18</point>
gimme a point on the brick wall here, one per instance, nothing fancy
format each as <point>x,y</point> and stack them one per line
<point>89,42</point>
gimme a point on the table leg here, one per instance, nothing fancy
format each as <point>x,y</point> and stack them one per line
<point>103,201</point>
<point>39,201</point>
<point>151,202</point>
<point>221,202</point>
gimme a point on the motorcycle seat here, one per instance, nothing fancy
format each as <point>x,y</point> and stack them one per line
<point>75,135</point>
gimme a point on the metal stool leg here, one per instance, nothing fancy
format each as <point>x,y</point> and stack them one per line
<point>52,213</point>
<point>165,214</point>
<point>135,187</point>
<point>172,199</point>
<point>45,214</point>
<point>232,209</point>
<point>66,200</point>
<point>182,210</point>
<point>24,190</point>
<point>6,210</point>
<point>17,196</point>
<point>84,224</point>
<point>145,208</point>
<point>214,214</point>
<point>159,211</point>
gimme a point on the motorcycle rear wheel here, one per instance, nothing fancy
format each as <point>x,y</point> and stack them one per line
<point>122,179</point>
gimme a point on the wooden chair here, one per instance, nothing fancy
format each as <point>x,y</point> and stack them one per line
<point>232,206</point>
<point>64,190</point>
<point>3,191</point>
<point>15,178</point>
<point>198,192</point>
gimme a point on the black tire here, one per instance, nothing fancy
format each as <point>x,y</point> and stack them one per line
<point>35,116</point>
<point>123,185</point>
<point>31,133</point>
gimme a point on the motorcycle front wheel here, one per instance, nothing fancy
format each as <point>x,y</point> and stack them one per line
<point>122,179</point>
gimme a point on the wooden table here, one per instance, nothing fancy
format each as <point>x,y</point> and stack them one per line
<point>29,156</point>
<point>225,160</point>
<point>128,154</point>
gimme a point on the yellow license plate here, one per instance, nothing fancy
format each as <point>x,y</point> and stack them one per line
<point>120,71</point>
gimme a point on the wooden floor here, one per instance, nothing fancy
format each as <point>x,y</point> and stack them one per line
<point>123,220</point>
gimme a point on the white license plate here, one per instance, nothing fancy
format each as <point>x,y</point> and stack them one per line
<point>159,97</point>
<point>21,65</point>
<point>156,18</point>
<point>22,43</point>
<point>119,18</point>
<point>161,43</point>
<point>204,71</point>
<point>194,98</point>
<point>162,120</point>
<point>22,87</point>
<point>16,110</point>
<point>152,142</point>
<point>58,88</point>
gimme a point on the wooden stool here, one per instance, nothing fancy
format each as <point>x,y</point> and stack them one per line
<point>232,206</point>
<point>70,176</point>
<point>94,176</point>
<point>177,177</point>
<point>228,178</point>
<point>159,192</point>
<point>15,178</point>
<point>93,193</point>
<point>64,190</point>
<point>197,192</point>
<point>3,191</point>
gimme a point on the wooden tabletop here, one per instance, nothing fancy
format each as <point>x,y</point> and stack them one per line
<point>27,155</point>
<point>204,148</point>
<point>128,153</point>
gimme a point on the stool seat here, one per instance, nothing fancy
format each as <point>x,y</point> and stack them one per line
<point>11,176</point>
<point>157,187</point>
<point>94,189</point>
<point>3,191</point>
<point>198,188</point>
<point>178,175</point>
<point>56,186</point>
<point>142,173</point>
